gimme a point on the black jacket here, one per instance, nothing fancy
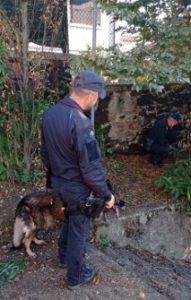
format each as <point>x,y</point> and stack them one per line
<point>69,149</point>
<point>159,133</point>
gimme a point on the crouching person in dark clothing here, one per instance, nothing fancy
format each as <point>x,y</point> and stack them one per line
<point>161,138</point>
<point>71,154</point>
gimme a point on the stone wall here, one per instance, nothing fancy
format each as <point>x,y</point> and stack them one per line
<point>126,115</point>
<point>160,230</point>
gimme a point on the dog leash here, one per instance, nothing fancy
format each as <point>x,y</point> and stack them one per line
<point>116,210</point>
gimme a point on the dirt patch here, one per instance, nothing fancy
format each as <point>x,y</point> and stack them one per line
<point>133,180</point>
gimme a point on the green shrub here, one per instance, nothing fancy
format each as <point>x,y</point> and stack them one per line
<point>3,51</point>
<point>105,241</point>
<point>20,138</point>
<point>177,181</point>
<point>100,133</point>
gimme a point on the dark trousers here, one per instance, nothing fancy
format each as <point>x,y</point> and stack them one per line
<point>158,153</point>
<point>72,246</point>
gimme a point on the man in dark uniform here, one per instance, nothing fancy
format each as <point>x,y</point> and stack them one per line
<point>70,152</point>
<point>161,138</point>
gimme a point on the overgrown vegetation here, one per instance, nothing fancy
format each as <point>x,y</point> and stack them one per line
<point>28,84</point>
<point>177,182</point>
<point>162,34</point>
<point>19,138</point>
<point>105,241</point>
<point>100,133</point>
<point>2,65</point>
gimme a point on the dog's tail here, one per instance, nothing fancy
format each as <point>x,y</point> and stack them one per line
<point>18,232</point>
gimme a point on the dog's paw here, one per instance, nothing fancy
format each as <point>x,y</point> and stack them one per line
<point>32,255</point>
<point>38,242</point>
<point>43,242</point>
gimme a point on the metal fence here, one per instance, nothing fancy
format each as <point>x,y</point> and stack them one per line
<point>88,26</point>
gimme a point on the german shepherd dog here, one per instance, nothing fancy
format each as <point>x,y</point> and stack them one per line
<point>35,211</point>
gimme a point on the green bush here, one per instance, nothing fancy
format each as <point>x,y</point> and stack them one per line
<point>20,114</point>
<point>19,138</point>
<point>100,133</point>
<point>3,51</point>
<point>105,241</point>
<point>177,181</point>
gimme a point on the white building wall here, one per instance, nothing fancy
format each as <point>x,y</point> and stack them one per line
<point>80,36</point>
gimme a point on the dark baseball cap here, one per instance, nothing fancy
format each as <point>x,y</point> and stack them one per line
<point>176,116</point>
<point>90,81</point>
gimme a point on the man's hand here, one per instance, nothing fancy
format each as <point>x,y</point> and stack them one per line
<point>111,202</point>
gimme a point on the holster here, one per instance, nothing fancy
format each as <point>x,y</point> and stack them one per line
<point>92,206</point>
